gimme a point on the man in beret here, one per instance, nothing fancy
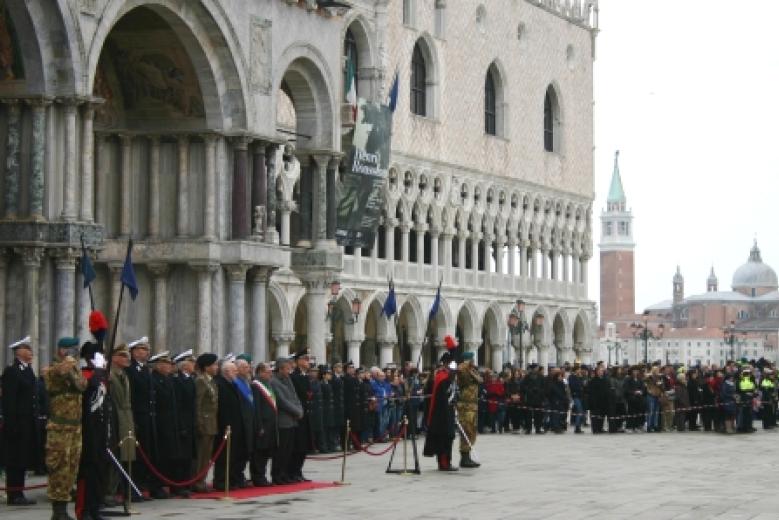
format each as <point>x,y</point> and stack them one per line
<point>206,399</point>
<point>20,408</point>
<point>65,385</point>
<point>468,379</point>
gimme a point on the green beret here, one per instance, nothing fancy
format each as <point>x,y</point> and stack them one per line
<point>67,342</point>
<point>468,356</point>
<point>245,357</point>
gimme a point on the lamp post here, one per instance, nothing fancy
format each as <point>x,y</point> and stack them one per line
<point>518,325</point>
<point>538,327</point>
<point>640,330</point>
<point>729,335</point>
<point>335,314</point>
<point>609,346</point>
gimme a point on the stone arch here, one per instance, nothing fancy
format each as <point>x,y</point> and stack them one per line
<point>493,339</point>
<point>468,321</point>
<point>212,55</point>
<point>280,313</point>
<point>303,74</point>
<point>580,332</point>
<point>341,328</point>
<point>411,322</point>
<point>559,337</point>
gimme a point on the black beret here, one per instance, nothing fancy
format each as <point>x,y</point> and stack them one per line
<point>205,360</point>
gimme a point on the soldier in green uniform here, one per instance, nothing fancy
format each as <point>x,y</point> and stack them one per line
<point>65,385</point>
<point>468,379</point>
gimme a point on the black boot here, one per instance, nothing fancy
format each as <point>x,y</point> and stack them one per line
<point>59,511</point>
<point>466,461</point>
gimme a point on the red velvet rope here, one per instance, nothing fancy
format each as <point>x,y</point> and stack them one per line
<point>401,434</point>
<point>197,478</point>
<point>26,488</point>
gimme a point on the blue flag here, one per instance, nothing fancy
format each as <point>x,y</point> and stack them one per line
<point>128,273</point>
<point>390,305</point>
<point>87,270</point>
<point>393,94</point>
<point>436,303</point>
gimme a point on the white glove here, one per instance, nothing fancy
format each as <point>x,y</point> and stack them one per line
<point>99,360</point>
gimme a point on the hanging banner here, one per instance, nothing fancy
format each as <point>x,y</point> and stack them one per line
<point>362,188</point>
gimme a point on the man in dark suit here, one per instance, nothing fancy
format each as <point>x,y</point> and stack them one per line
<point>20,408</point>
<point>185,454</point>
<point>166,432</point>
<point>337,385</point>
<point>230,412</point>
<point>352,404</point>
<point>144,406</point>
<point>266,425</point>
<point>302,443</point>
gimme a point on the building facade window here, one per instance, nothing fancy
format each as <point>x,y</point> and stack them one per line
<point>490,110</point>
<point>551,121</point>
<point>418,82</point>
<point>408,12</point>
<point>352,61</point>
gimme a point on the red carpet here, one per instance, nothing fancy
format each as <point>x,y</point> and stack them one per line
<point>254,492</point>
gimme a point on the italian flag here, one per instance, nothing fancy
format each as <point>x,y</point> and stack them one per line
<point>351,86</point>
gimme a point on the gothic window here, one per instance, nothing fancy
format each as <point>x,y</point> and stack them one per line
<point>490,112</point>
<point>551,121</point>
<point>351,55</point>
<point>418,82</point>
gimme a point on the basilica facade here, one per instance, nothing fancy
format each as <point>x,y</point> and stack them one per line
<point>213,134</point>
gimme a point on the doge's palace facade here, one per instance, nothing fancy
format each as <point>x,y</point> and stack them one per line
<point>212,133</point>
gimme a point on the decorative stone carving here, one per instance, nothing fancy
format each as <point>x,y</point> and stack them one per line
<point>261,55</point>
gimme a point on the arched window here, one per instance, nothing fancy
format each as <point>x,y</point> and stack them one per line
<point>418,82</point>
<point>551,121</point>
<point>352,61</point>
<point>490,110</point>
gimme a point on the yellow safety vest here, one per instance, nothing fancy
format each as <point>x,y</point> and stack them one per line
<point>766,383</point>
<point>746,385</point>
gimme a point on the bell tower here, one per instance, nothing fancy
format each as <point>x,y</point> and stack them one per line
<point>617,269</point>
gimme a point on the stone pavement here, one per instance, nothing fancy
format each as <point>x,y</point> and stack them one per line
<point>604,477</point>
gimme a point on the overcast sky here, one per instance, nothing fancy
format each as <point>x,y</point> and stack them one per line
<point>688,91</point>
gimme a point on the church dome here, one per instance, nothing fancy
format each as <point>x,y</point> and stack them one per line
<point>754,273</point>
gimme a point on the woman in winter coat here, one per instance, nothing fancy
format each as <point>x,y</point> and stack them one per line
<point>682,402</point>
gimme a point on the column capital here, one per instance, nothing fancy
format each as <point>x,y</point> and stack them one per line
<point>471,346</point>
<point>513,241</point>
<point>500,239</point>
<point>406,227</point>
<point>317,285</point>
<point>158,270</point>
<point>284,337</point>
<point>209,138</point>
<point>31,256</point>
<point>335,160</point>
<point>435,231</point>
<point>236,272</point>
<point>13,103</point>
<point>476,235</point>
<point>420,227</point>
<point>71,104</point>
<point>391,222</point>
<point>259,147</point>
<point>115,268</point>
<point>240,142</point>
<point>125,138</point>
<point>261,274</point>
<point>463,234</point>
<point>64,258</point>
<point>39,102</point>
<point>182,139</point>
<point>488,237</point>
<point>321,157</point>
<point>204,267</point>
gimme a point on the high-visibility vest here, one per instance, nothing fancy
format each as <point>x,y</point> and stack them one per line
<point>746,385</point>
<point>766,383</point>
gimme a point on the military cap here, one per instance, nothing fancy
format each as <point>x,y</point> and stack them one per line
<point>67,342</point>
<point>121,350</point>
<point>162,357</point>
<point>24,342</point>
<point>301,354</point>
<point>184,356</point>
<point>140,342</point>
<point>349,363</point>
<point>88,350</point>
<point>314,368</point>
<point>339,364</point>
<point>468,356</point>
<point>229,358</point>
<point>206,360</point>
<point>324,369</point>
<point>246,357</point>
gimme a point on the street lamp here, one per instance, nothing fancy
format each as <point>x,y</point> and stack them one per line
<point>538,328</point>
<point>642,331</point>
<point>729,335</point>
<point>609,346</point>
<point>518,325</point>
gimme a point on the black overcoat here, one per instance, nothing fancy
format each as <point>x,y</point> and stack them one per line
<point>302,384</point>
<point>230,412</point>
<point>142,400</point>
<point>266,422</point>
<point>20,410</point>
<point>185,414</point>
<point>337,386</point>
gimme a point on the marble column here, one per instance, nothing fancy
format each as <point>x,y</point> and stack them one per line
<point>237,319</point>
<point>319,169</point>
<point>65,264</point>
<point>575,267</point>
<point>416,349</point>
<point>182,187</point>
<point>584,273</point>
<point>31,258</point>
<point>475,237</point>
<point>554,263</point>
<point>332,204</point>
<point>446,245</point>
<point>125,195</point>
<point>434,233</point>
<point>512,254</point>
<point>259,315</point>
<point>497,357</point>
<point>462,238</point>
<point>421,229</point>
<point>385,353</point>
<point>83,307</point>
<point>543,355</point>
<point>101,160</point>
<point>317,292</point>
<point>271,235</point>
<point>159,338</point>
<point>115,273</point>
<point>205,273</point>
<point>307,171</point>
<point>354,351</point>
<point>87,163</point>
<point>523,246</point>
<point>259,190</point>
<point>389,241</point>
<point>499,241</point>
<point>209,210</point>
<point>375,255</point>
<point>36,182</point>
<point>70,179</point>
<point>154,187</point>
<point>3,284</point>
<point>545,263</point>
<point>283,341</point>
<point>566,267</point>
<point>487,245</point>
<point>286,208</point>
<point>12,157</point>
<point>405,228</point>
<point>357,259</point>
<point>240,215</point>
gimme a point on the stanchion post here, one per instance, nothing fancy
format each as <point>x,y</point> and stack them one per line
<point>343,482</point>
<point>128,495</point>
<point>405,446</point>
<point>228,440</point>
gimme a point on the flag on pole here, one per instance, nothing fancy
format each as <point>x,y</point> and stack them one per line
<point>351,85</point>
<point>392,102</point>
<point>128,273</point>
<point>87,270</point>
<point>390,305</point>
<point>436,303</point>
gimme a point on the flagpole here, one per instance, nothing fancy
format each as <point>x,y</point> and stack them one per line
<point>429,322</point>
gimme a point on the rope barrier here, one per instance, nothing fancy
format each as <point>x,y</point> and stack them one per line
<point>25,488</point>
<point>197,478</point>
<point>392,444</point>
